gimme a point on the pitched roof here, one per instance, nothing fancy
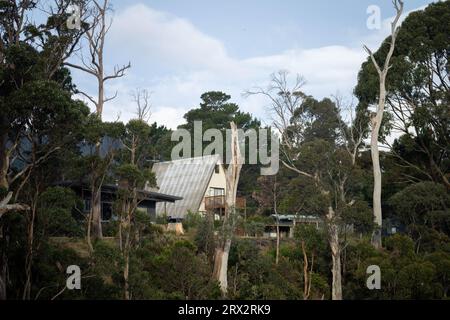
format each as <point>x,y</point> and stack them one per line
<point>186,178</point>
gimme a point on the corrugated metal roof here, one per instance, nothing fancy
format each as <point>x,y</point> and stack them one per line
<point>186,178</point>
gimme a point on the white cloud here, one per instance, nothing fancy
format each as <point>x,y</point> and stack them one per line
<point>147,35</point>
<point>178,62</point>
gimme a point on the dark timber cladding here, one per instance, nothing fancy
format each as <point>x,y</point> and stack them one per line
<point>147,199</point>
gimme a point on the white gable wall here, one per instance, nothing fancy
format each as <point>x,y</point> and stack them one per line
<point>218,180</point>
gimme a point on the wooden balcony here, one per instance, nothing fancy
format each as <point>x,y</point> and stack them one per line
<point>218,203</point>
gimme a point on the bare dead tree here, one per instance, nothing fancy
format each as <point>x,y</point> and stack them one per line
<point>232,178</point>
<point>143,106</point>
<point>377,119</point>
<point>143,113</point>
<point>353,131</point>
<point>94,64</point>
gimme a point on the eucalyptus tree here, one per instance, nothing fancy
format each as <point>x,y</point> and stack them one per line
<point>377,119</point>
<point>322,150</point>
<point>133,171</point>
<point>38,117</point>
<point>28,52</point>
<point>417,94</point>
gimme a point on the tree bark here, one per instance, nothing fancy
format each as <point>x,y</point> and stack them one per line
<point>4,162</point>
<point>277,255</point>
<point>30,252</point>
<point>377,121</point>
<point>232,178</point>
<point>333,230</point>
<point>306,281</point>
<point>126,274</point>
<point>275,207</point>
<point>375,153</point>
<point>96,212</point>
<point>4,243</point>
<point>221,266</point>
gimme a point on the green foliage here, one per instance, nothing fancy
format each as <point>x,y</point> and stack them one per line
<point>217,112</point>
<point>417,105</point>
<point>205,238</point>
<point>192,220</point>
<point>254,225</point>
<point>133,177</point>
<point>254,274</point>
<point>405,274</point>
<point>55,213</point>
<point>175,271</point>
<point>310,236</point>
<point>424,203</point>
<point>59,138</point>
<point>162,219</point>
<point>360,216</point>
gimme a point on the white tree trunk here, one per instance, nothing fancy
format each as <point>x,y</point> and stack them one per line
<point>232,177</point>
<point>223,266</point>
<point>333,233</point>
<point>375,153</point>
<point>376,124</point>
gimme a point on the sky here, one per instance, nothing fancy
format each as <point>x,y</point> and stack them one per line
<point>180,49</point>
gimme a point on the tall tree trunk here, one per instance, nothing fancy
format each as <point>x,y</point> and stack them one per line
<point>101,92</point>
<point>221,266</point>
<point>126,274</point>
<point>30,251</point>
<point>95,219</point>
<point>96,213</point>
<point>126,253</point>
<point>4,242</point>
<point>306,281</point>
<point>277,254</point>
<point>4,162</point>
<point>377,211</point>
<point>377,121</point>
<point>275,208</point>
<point>30,235</point>
<point>232,178</point>
<point>333,233</point>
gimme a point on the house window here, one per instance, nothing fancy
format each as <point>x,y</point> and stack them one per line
<point>107,211</point>
<point>217,169</point>
<point>216,192</point>
<point>87,205</point>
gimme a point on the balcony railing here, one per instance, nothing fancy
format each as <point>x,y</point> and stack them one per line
<point>218,202</point>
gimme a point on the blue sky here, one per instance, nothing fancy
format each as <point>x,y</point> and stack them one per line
<point>182,48</point>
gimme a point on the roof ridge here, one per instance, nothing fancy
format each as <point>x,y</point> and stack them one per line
<point>200,159</point>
